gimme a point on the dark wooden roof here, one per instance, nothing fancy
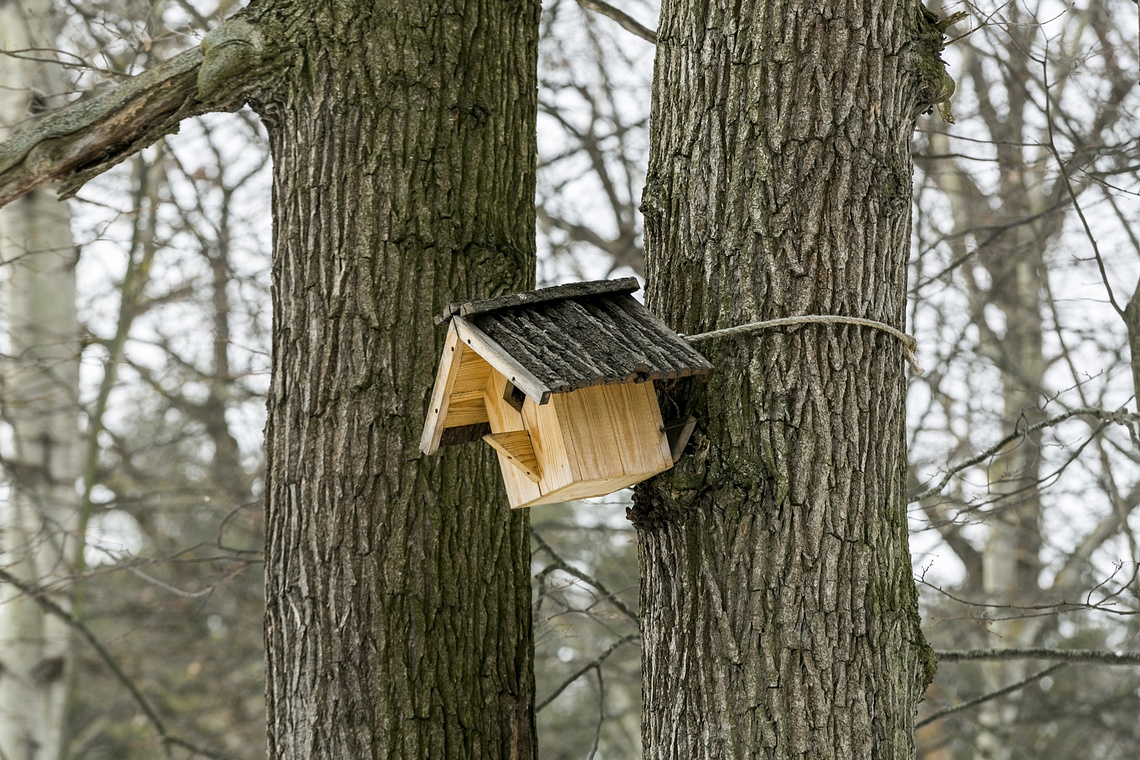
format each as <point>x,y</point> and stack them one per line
<point>542,295</point>
<point>583,334</point>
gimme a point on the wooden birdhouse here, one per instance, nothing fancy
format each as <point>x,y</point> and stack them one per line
<point>560,382</point>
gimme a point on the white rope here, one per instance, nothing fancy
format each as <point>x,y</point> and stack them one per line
<point>910,345</point>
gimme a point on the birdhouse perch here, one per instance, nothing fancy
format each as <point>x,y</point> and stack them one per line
<point>560,382</point>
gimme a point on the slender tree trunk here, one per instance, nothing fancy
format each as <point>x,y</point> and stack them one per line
<point>1004,276</point>
<point>40,404</point>
<point>1011,562</point>
<point>398,620</point>
<point>779,613</point>
<point>1010,263</point>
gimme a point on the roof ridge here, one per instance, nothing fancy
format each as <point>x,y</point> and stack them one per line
<point>541,295</point>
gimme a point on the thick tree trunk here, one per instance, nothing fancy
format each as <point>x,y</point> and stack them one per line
<point>779,613</point>
<point>398,596</point>
<point>40,387</point>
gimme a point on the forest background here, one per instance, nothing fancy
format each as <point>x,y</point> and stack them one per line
<point>1024,469</point>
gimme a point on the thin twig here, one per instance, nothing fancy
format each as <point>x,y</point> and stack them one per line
<point>585,669</point>
<point>626,21</point>
<point>1120,417</point>
<point>1052,147</point>
<point>566,567</point>
<point>601,713</point>
<point>39,596</point>
<point>1096,656</point>
<point>992,695</point>
<point>1024,610</point>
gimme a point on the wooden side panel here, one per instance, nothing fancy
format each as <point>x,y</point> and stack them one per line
<point>586,443</point>
<point>505,419</point>
<point>614,431</point>
<point>646,442</point>
<point>606,438</point>
<point>591,441</point>
<point>549,441</point>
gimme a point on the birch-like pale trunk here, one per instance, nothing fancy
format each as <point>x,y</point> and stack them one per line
<point>1009,561</point>
<point>39,408</point>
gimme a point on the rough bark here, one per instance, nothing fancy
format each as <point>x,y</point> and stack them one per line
<point>39,400</point>
<point>398,611</point>
<point>398,601</point>
<point>779,614</point>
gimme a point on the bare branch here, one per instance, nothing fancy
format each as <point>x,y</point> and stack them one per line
<point>626,21</point>
<point>592,664</point>
<point>1097,656</point>
<point>569,569</point>
<point>1035,610</point>
<point>40,597</point>
<point>992,695</point>
<point>86,138</point>
<point>1051,146</point>
<point>1120,417</point>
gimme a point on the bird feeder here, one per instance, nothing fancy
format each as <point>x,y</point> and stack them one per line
<point>560,382</point>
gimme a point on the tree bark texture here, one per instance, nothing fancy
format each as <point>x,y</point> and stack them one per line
<point>398,589</point>
<point>779,612</point>
<point>39,389</point>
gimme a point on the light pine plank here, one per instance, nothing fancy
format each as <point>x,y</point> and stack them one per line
<point>465,414</point>
<point>445,378</point>
<point>614,430</point>
<point>461,398</point>
<point>516,448</point>
<point>504,419</point>
<point>549,442</point>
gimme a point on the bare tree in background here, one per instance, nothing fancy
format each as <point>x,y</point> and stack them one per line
<point>1004,290</point>
<point>38,409</point>
<point>1013,297</point>
<point>593,129</point>
<point>1007,337</point>
<point>397,589</point>
<point>594,78</point>
<point>165,531</point>
<point>174,527</point>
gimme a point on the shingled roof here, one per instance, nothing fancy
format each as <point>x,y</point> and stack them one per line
<point>574,336</point>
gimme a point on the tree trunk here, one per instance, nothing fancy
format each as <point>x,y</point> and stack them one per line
<point>398,591</point>
<point>779,613</point>
<point>1003,238</point>
<point>40,404</point>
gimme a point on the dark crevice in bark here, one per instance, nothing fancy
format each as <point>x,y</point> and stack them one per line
<point>398,592</point>
<point>779,614</point>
